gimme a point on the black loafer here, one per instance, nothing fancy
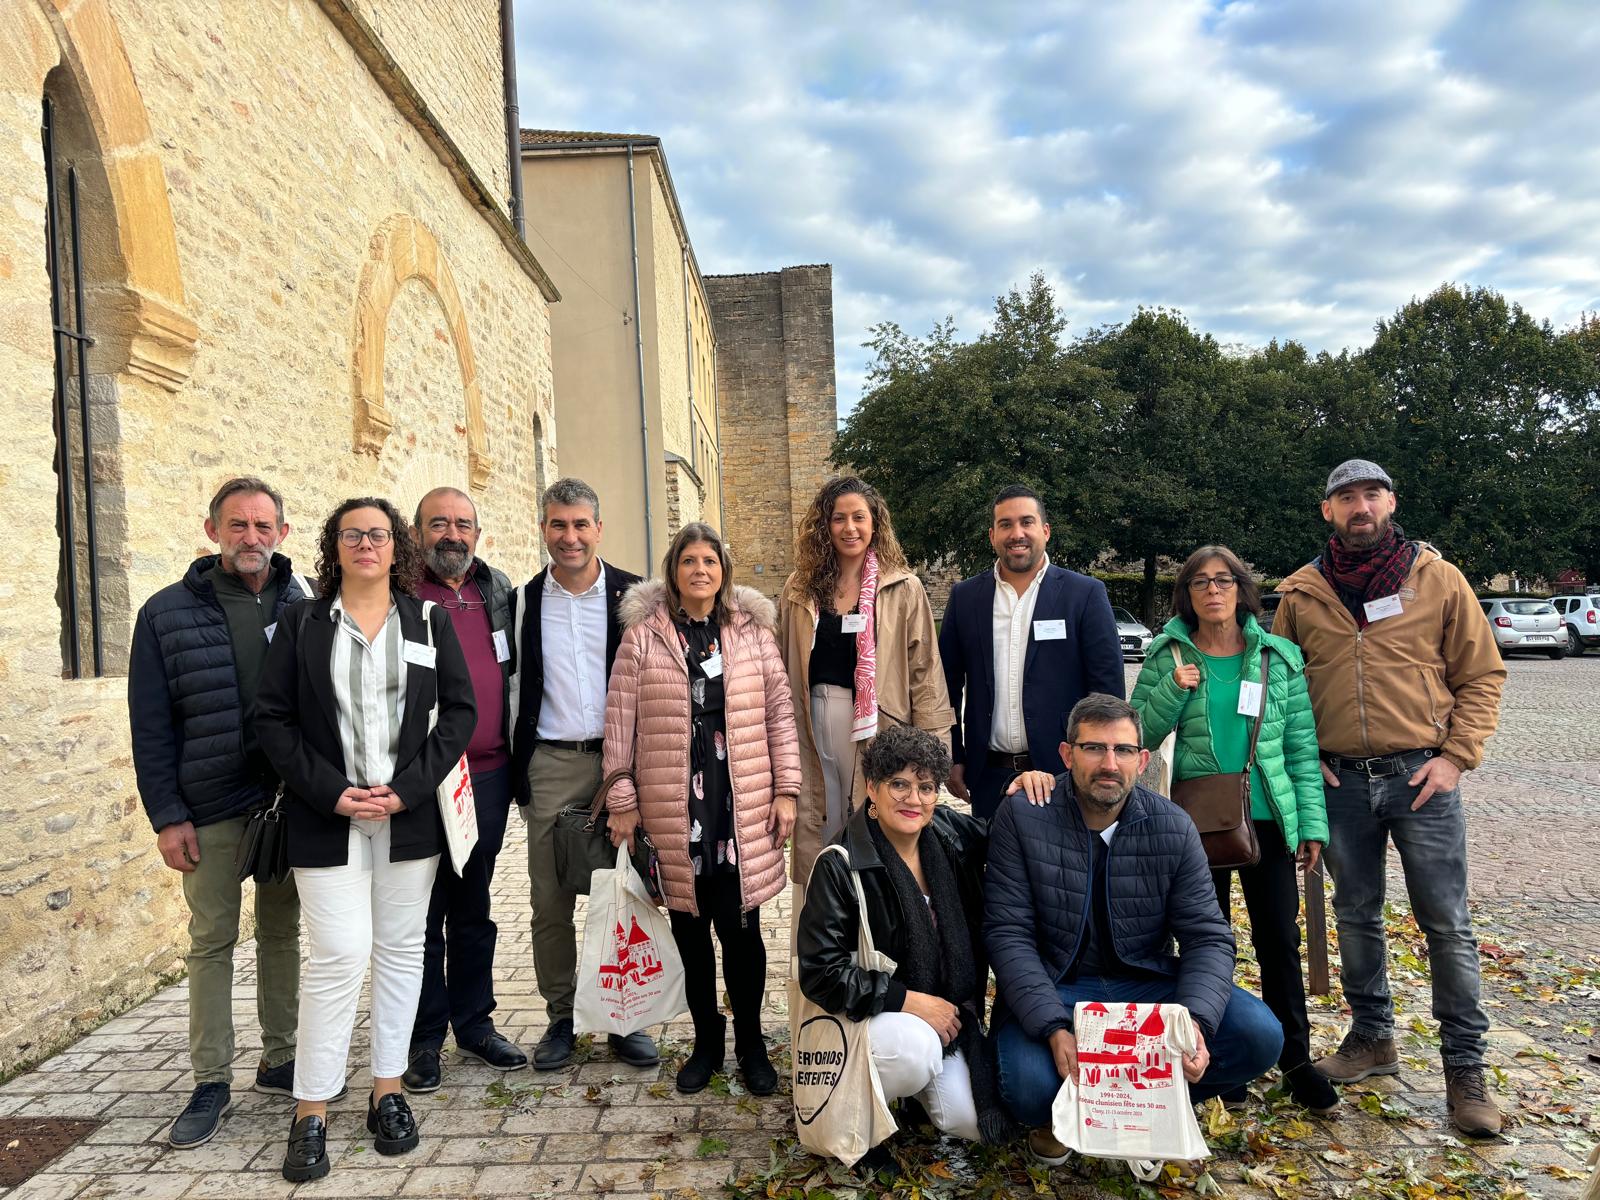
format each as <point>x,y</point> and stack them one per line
<point>556,1047</point>
<point>637,1050</point>
<point>307,1155</point>
<point>499,1052</point>
<point>392,1125</point>
<point>198,1123</point>
<point>422,1073</point>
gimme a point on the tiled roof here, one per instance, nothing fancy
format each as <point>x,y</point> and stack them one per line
<point>563,137</point>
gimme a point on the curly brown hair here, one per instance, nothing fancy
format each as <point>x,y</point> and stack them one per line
<point>407,569</point>
<point>816,566</point>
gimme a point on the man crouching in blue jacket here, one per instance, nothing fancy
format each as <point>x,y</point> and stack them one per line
<point>1091,877</point>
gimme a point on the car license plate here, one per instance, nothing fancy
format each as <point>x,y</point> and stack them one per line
<point>1538,637</point>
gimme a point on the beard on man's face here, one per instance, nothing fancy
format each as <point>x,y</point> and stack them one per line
<point>1102,789</point>
<point>448,558</point>
<point>1363,536</point>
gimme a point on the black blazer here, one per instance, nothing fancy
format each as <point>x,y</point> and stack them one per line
<point>1056,674</point>
<point>530,666</point>
<point>297,724</point>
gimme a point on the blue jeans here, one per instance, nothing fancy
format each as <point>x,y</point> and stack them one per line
<point>1245,1046</point>
<point>1363,814</point>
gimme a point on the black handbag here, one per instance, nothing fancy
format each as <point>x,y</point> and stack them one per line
<point>263,852</point>
<point>583,847</point>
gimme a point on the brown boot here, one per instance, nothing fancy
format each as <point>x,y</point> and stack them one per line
<point>1472,1109</point>
<point>1359,1056</point>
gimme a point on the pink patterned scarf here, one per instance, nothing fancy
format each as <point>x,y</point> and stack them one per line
<point>865,724</point>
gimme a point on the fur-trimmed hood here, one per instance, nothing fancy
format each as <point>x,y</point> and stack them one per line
<point>647,600</point>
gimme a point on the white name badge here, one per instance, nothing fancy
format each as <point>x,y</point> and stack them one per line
<point>1377,610</point>
<point>502,648</point>
<point>712,666</point>
<point>853,622</point>
<point>1249,699</point>
<point>269,631</point>
<point>1050,631</point>
<point>418,653</point>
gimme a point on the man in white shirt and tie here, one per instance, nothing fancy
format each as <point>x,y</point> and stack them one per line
<point>568,639</point>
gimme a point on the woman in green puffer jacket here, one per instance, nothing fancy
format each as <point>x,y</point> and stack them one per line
<point>1195,681</point>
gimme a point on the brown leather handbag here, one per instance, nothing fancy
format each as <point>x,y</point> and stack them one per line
<point>1219,805</point>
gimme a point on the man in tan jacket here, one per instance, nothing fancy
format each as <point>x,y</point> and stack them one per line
<point>1405,681</point>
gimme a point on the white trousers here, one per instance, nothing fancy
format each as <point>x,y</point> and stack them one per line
<point>370,909</point>
<point>911,1062</point>
<point>833,712</point>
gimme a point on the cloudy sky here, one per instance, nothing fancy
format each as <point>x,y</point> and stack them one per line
<point>1273,170</point>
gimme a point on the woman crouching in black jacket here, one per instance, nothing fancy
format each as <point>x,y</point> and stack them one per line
<point>921,869</point>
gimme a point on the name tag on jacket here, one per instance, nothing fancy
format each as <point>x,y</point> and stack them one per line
<point>418,653</point>
<point>1050,631</point>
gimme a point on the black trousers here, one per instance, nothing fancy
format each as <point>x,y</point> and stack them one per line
<point>1272,898</point>
<point>460,929</point>
<point>744,955</point>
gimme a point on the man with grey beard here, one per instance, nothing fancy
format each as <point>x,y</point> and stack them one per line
<point>458,954</point>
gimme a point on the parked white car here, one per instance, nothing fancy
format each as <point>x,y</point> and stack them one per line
<point>1133,635</point>
<point>1581,615</point>
<point>1523,624</point>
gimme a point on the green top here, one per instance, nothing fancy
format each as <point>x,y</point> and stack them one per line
<point>1230,731</point>
<point>248,613</point>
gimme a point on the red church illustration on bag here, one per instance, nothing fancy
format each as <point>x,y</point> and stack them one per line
<point>636,959</point>
<point>1127,1047</point>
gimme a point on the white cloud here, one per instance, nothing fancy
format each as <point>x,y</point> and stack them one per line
<point>1287,171</point>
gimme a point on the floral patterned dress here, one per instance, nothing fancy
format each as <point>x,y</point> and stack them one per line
<point>712,848</point>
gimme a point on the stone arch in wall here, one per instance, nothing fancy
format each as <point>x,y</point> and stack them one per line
<point>402,249</point>
<point>144,326</point>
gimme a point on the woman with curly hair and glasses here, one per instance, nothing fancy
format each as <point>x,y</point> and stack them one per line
<point>346,716</point>
<point>861,650</point>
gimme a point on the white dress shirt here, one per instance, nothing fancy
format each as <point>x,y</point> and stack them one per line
<point>369,693</point>
<point>573,636</point>
<point>1013,616</point>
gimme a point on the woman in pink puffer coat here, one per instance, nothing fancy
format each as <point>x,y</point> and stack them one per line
<point>699,710</point>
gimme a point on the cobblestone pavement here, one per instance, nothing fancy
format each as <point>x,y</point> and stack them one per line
<point>601,1128</point>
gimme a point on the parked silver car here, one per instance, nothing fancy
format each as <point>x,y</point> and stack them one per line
<point>1133,635</point>
<point>1582,617</point>
<point>1531,625</point>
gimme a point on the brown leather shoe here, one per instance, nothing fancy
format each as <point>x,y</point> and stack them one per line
<point>1472,1109</point>
<point>1044,1147</point>
<point>1359,1056</point>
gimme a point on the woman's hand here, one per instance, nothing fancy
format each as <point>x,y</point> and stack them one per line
<point>1039,785</point>
<point>1187,676</point>
<point>390,799</point>
<point>942,1016</point>
<point>1309,855</point>
<point>780,821</point>
<point>620,827</point>
<point>359,804</point>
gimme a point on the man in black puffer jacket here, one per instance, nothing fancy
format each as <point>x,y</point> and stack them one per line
<point>198,649</point>
<point>1090,879</point>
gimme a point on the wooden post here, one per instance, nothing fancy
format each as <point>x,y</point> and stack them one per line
<point>1316,932</point>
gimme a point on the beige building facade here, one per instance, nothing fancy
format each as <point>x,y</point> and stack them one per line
<point>292,245</point>
<point>634,349</point>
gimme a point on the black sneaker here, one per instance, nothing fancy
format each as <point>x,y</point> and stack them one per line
<point>498,1051</point>
<point>1310,1089</point>
<point>198,1123</point>
<point>422,1073</point>
<point>392,1125</point>
<point>279,1081</point>
<point>556,1047</point>
<point>307,1155</point>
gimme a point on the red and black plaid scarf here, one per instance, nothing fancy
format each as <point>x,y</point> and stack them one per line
<point>1359,576</point>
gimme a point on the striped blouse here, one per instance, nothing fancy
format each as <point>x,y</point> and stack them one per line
<point>369,688</point>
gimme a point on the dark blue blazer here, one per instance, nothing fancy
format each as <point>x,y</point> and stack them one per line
<point>1055,674</point>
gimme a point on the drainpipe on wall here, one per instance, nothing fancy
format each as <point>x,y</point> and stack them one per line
<point>638,342</point>
<point>716,416</point>
<point>508,59</point>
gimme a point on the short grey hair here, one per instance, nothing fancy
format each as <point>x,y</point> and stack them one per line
<point>568,491</point>
<point>416,521</point>
<point>1097,708</point>
<point>245,485</point>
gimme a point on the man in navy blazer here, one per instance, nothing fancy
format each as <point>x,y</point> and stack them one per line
<point>1022,643</point>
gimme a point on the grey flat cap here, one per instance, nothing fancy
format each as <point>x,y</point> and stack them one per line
<point>1357,470</point>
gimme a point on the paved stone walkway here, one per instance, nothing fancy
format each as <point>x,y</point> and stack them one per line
<point>601,1128</point>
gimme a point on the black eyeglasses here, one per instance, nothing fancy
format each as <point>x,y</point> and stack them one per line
<point>351,538</point>
<point>459,605</point>
<point>1122,750</point>
<point>1223,583</point>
